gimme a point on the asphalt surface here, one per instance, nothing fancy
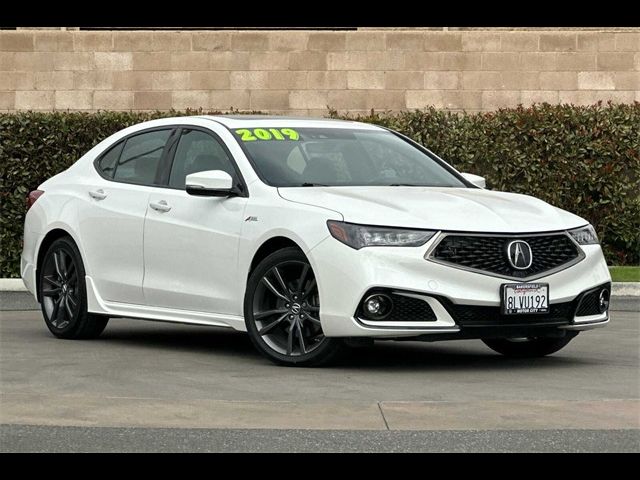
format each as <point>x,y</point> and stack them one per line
<point>26,438</point>
<point>146,386</point>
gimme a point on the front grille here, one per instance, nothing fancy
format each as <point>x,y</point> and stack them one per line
<point>488,253</point>
<point>478,316</point>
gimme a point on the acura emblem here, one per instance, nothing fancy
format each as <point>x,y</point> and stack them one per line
<point>519,254</point>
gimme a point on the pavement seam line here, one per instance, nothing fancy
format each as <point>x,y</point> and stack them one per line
<point>384,419</point>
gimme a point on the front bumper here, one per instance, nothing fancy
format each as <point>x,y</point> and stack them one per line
<point>457,297</point>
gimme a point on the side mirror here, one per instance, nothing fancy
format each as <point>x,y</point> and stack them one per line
<point>212,183</point>
<point>477,180</point>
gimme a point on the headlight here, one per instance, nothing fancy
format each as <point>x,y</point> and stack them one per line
<point>584,235</point>
<point>359,236</point>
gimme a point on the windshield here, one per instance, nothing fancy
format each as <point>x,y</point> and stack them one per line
<point>296,157</point>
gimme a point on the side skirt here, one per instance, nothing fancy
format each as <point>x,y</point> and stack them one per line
<point>97,305</point>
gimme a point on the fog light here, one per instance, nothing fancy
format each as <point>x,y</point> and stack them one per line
<point>603,300</point>
<point>377,306</point>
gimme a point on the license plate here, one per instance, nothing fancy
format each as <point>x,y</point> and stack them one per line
<point>525,298</point>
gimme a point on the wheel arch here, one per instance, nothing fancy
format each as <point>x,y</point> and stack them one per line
<point>50,237</point>
<point>278,240</point>
<point>270,246</point>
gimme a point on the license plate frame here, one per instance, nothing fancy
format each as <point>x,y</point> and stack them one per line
<point>522,305</point>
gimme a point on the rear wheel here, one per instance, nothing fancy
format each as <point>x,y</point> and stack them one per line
<point>282,312</point>
<point>63,293</point>
<point>529,347</point>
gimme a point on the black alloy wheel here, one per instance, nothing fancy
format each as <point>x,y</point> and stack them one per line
<point>60,289</point>
<point>282,310</point>
<point>63,293</point>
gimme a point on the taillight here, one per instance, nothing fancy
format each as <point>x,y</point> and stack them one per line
<point>32,197</point>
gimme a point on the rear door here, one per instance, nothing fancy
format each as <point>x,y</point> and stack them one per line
<point>191,242</point>
<point>114,212</point>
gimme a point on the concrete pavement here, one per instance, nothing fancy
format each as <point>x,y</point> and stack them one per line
<point>144,375</point>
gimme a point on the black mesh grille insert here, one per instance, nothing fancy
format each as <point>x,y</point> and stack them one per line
<point>410,309</point>
<point>478,316</point>
<point>589,304</point>
<point>488,253</point>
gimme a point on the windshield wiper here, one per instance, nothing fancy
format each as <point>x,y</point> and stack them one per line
<point>307,184</point>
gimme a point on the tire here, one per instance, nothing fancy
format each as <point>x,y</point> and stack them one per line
<point>530,347</point>
<point>63,293</point>
<point>281,311</point>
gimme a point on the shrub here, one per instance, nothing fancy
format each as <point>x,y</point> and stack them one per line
<point>583,159</point>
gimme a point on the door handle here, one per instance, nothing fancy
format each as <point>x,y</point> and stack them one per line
<point>97,194</point>
<point>161,206</point>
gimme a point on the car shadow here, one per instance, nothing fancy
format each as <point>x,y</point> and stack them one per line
<point>447,356</point>
<point>382,356</point>
<point>185,338</point>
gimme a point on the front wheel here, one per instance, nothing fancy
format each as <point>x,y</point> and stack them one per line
<point>529,347</point>
<point>282,312</point>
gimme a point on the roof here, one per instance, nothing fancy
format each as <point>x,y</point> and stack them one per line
<point>240,121</point>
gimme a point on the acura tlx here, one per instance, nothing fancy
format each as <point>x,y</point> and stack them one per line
<point>311,235</point>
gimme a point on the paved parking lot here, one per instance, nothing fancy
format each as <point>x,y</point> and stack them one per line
<point>156,386</point>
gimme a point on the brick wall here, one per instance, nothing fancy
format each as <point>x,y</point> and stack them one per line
<point>303,72</point>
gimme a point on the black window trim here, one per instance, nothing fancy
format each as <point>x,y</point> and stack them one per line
<point>166,167</point>
<point>172,131</point>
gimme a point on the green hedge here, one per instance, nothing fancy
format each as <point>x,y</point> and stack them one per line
<point>583,159</point>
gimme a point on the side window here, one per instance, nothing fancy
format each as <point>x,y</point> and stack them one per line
<point>107,164</point>
<point>198,152</point>
<point>140,157</point>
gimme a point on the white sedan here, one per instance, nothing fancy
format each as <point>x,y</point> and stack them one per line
<point>309,234</point>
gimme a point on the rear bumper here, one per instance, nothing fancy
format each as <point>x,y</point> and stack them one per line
<point>466,304</point>
<point>28,274</point>
<point>28,260</point>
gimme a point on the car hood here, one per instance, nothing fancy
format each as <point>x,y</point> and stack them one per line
<point>461,209</point>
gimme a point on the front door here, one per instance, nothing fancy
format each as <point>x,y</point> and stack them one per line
<point>191,242</point>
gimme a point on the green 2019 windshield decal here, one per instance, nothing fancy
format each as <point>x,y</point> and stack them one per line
<point>254,134</point>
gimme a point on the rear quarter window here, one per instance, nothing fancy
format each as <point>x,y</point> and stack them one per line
<point>107,164</point>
